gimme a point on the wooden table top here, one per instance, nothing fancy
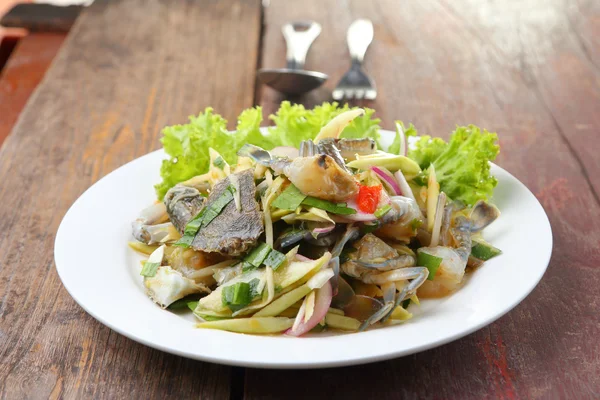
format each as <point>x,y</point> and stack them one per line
<point>528,70</point>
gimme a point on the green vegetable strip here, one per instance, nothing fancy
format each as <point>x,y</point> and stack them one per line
<point>236,296</point>
<point>432,263</point>
<point>258,254</point>
<point>150,269</point>
<point>484,251</point>
<point>192,305</point>
<point>380,212</point>
<point>289,199</point>
<point>254,288</point>
<point>219,162</point>
<point>275,259</point>
<point>328,206</point>
<point>153,262</point>
<point>205,217</point>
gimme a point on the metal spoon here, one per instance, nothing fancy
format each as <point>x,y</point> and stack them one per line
<point>294,79</point>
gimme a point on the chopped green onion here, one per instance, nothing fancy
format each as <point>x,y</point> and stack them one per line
<point>154,261</point>
<point>192,305</point>
<point>483,250</point>
<point>205,217</point>
<point>258,255</point>
<point>334,208</point>
<point>289,199</point>
<point>246,266</point>
<point>415,224</point>
<point>275,259</point>
<point>254,285</point>
<point>149,269</point>
<point>432,263</point>
<point>292,197</point>
<point>236,296</point>
<point>219,162</point>
<point>381,211</point>
<point>420,179</point>
<point>368,228</point>
<point>405,303</point>
<point>184,303</point>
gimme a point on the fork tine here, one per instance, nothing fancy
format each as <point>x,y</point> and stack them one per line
<point>371,94</point>
<point>338,94</point>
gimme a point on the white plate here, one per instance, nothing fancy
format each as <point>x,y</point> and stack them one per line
<point>102,274</point>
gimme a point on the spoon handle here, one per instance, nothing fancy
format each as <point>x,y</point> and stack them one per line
<point>298,37</point>
<point>359,37</point>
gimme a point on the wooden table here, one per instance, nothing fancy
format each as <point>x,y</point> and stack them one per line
<point>529,70</point>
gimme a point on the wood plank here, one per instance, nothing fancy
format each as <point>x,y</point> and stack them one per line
<point>127,69</point>
<point>520,70</point>
<point>23,72</point>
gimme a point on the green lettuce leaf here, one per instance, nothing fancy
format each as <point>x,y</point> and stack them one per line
<point>462,165</point>
<point>294,123</point>
<point>187,145</point>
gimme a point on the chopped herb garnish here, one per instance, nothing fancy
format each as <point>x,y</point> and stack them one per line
<point>154,261</point>
<point>334,208</point>
<point>421,179</point>
<point>205,217</point>
<point>236,296</point>
<point>275,259</point>
<point>246,266</point>
<point>258,254</point>
<point>289,199</point>
<point>150,269</point>
<point>483,250</point>
<point>254,284</point>
<point>381,211</point>
<point>219,162</point>
<point>432,263</point>
<point>415,224</point>
<point>368,228</point>
<point>183,303</point>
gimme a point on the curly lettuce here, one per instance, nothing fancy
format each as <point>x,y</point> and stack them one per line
<point>462,165</point>
<point>187,145</point>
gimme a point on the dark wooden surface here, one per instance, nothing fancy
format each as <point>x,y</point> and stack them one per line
<point>22,73</point>
<point>529,70</point>
<point>101,104</point>
<point>41,17</point>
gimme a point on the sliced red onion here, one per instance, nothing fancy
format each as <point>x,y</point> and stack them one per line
<point>404,188</point>
<point>322,302</point>
<point>326,229</point>
<point>389,179</point>
<point>300,257</point>
<point>286,151</point>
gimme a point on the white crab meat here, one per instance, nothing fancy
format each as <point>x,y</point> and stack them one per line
<point>168,286</point>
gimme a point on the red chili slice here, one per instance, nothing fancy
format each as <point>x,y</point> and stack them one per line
<point>368,198</point>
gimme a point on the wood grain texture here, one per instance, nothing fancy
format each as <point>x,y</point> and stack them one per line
<point>527,70</point>
<point>101,104</point>
<point>23,72</point>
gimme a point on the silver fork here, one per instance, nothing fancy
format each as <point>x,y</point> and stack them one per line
<point>356,84</point>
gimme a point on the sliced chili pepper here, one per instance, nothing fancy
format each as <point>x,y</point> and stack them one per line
<point>368,198</point>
